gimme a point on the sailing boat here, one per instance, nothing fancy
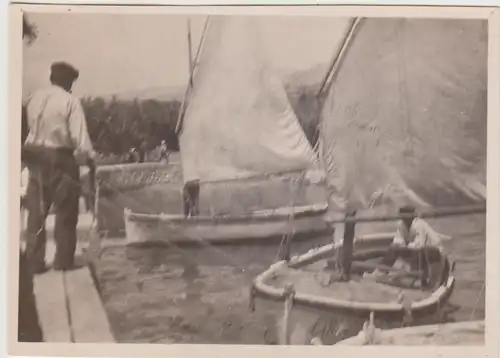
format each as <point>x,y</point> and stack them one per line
<point>247,165</point>
<point>403,122</point>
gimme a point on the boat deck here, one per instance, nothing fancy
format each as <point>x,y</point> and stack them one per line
<point>314,280</point>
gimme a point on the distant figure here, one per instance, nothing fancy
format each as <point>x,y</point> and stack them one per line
<point>191,195</point>
<point>56,145</point>
<point>412,232</point>
<point>133,156</point>
<point>141,153</point>
<point>164,154</point>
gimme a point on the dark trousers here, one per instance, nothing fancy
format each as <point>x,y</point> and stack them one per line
<point>54,180</point>
<point>417,258</point>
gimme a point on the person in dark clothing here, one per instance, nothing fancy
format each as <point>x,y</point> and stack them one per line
<point>191,198</point>
<point>56,144</point>
<point>141,154</point>
<point>133,157</point>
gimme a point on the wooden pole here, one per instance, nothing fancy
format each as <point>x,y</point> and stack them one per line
<point>434,214</point>
<point>348,244</point>
<point>94,248</point>
<point>192,65</point>
<point>285,329</point>
<point>339,56</point>
<point>190,53</point>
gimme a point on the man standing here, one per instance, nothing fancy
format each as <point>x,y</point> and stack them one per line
<point>56,145</point>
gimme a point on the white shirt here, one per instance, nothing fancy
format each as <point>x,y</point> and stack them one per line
<point>56,120</point>
<point>419,234</point>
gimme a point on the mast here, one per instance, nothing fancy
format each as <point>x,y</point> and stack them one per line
<point>325,85</point>
<point>192,66</point>
<point>341,231</point>
<point>337,60</point>
<point>190,54</point>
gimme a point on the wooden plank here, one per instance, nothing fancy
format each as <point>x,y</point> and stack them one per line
<point>51,307</point>
<point>88,318</point>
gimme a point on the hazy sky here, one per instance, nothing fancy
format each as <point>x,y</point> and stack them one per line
<point>120,53</point>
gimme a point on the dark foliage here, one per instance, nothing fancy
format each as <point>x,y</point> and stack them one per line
<point>116,126</point>
<point>29,30</point>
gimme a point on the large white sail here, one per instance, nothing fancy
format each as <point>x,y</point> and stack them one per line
<point>405,119</point>
<point>239,122</point>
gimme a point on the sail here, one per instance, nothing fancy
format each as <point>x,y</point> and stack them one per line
<point>238,121</point>
<point>405,119</point>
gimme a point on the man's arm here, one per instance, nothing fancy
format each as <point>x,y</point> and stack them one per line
<point>435,238</point>
<point>420,239</point>
<point>78,131</point>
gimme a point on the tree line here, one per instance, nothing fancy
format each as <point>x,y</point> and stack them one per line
<point>116,125</point>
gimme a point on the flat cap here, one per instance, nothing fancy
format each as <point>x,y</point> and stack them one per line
<point>407,210</point>
<point>64,69</point>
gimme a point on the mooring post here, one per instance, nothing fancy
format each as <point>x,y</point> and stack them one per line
<point>289,297</point>
<point>348,244</point>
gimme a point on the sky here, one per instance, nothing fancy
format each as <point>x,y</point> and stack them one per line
<point>117,53</point>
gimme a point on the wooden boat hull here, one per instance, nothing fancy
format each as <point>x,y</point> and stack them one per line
<point>391,311</point>
<point>267,226</point>
<point>463,333</point>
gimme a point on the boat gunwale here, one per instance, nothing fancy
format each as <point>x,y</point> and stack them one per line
<point>298,212</point>
<point>260,288</point>
<point>416,330</point>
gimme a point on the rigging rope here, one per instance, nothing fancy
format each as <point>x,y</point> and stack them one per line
<point>477,301</point>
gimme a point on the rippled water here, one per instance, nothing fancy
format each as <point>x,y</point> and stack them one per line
<point>201,294</point>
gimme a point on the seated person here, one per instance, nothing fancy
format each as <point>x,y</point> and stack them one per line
<point>412,232</point>
<point>191,195</point>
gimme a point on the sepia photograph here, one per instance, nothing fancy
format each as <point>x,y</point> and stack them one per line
<point>251,179</point>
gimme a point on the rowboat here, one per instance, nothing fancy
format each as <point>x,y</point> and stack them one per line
<point>316,287</point>
<point>456,333</point>
<point>266,225</point>
<point>383,147</point>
